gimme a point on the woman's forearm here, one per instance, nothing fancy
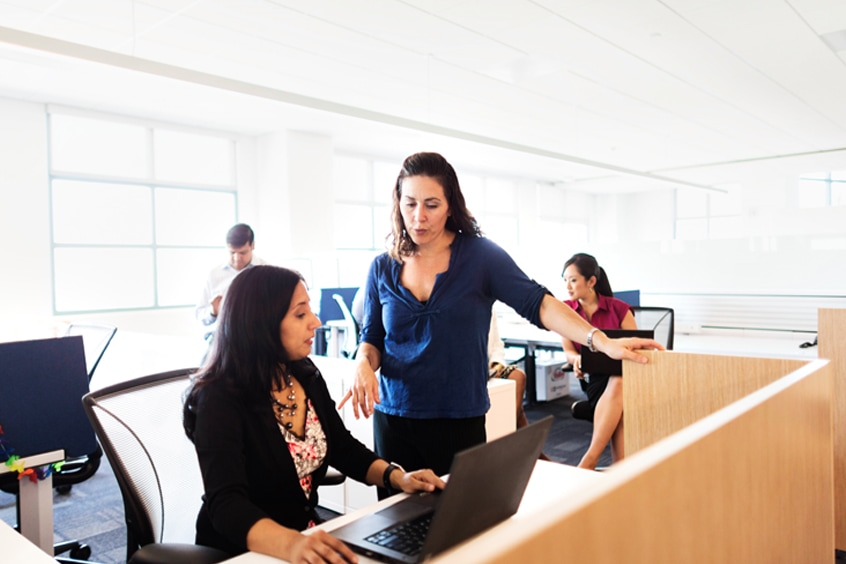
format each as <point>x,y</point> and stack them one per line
<point>370,354</point>
<point>562,319</point>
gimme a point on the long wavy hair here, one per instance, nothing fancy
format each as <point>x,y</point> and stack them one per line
<point>436,167</point>
<point>588,266</point>
<point>247,353</point>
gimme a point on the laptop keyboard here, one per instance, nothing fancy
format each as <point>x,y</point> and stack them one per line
<point>406,538</point>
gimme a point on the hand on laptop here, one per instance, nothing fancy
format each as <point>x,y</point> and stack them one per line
<point>418,481</point>
<point>320,546</point>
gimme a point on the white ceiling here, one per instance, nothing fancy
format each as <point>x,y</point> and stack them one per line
<point>610,94</point>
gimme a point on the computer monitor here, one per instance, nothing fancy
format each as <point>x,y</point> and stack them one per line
<point>41,387</point>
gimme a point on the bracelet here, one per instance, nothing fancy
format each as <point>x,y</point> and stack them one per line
<point>386,476</point>
<point>590,339</point>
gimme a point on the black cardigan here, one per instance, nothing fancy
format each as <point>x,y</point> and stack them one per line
<point>248,473</point>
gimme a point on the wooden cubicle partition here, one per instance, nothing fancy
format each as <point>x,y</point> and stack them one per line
<point>677,389</point>
<point>752,483</point>
<point>832,345</point>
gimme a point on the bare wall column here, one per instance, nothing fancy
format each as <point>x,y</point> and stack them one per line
<point>295,197</point>
<point>310,159</point>
<point>25,291</point>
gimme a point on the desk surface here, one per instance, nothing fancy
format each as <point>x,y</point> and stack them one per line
<point>16,548</point>
<point>551,484</point>
<point>524,333</point>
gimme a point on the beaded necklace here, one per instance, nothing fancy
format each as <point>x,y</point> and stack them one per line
<point>285,412</point>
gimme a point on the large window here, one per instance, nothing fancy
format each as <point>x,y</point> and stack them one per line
<point>362,202</point>
<point>363,192</point>
<point>822,189</point>
<point>702,215</point>
<point>138,211</point>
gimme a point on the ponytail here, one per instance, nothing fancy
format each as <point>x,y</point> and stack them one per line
<point>587,266</point>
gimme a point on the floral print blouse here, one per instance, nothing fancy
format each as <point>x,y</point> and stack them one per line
<point>308,453</point>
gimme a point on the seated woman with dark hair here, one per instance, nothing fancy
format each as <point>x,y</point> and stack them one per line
<point>265,428</point>
<point>592,298</point>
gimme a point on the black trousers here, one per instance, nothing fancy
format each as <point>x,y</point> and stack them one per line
<point>424,443</point>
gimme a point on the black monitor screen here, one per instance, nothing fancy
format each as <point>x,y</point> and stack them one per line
<point>41,387</point>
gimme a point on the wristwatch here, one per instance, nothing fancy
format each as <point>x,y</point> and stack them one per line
<point>590,339</point>
<point>386,476</point>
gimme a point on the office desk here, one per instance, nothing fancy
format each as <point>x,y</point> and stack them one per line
<point>523,334</point>
<point>550,485</point>
<point>16,548</point>
<point>36,503</point>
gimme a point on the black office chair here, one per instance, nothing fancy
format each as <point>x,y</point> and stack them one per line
<point>661,320</point>
<point>139,425</point>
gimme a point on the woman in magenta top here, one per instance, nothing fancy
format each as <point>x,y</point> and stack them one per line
<point>592,298</point>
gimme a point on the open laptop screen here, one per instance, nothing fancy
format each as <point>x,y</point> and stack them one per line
<point>601,364</point>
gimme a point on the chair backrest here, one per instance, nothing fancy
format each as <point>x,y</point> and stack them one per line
<point>351,329</point>
<point>659,319</point>
<point>139,424</point>
<point>95,339</point>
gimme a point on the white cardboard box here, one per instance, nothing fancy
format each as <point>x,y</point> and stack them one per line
<point>551,380</point>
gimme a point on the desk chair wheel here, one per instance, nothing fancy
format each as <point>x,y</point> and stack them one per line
<point>583,410</point>
<point>76,550</point>
<point>82,552</point>
<point>64,489</point>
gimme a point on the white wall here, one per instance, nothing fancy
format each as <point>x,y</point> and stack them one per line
<point>25,294</point>
<point>783,250</point>
<point>285,192</point>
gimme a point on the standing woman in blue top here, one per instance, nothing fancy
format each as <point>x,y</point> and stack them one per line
<point>426,320</point>
<point>591,297</point>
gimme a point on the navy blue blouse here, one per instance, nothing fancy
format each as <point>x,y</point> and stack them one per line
<point>435,354</point>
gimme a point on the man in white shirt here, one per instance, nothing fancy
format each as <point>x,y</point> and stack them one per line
<point>240,242</point>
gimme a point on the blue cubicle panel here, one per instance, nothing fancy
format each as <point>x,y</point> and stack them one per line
<point>41,387</point>
<point>631,297</point>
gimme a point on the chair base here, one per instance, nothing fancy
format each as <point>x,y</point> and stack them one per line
<point>75,549</point>
<point>177,553</point>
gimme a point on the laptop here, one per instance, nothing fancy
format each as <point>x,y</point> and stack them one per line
<point>600,363</point>
<point>485,486</point>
